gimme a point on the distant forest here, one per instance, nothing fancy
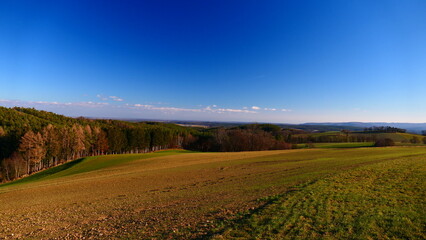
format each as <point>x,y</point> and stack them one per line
<point>33,140</point>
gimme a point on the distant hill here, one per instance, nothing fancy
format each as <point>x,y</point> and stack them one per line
<point>310,127</point>
<point>305,127</point>
<point>410,127</point>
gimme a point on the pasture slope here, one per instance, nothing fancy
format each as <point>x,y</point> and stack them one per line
<point>327,193</point>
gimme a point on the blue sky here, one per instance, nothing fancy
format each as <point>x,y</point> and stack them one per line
<point>269,61</point>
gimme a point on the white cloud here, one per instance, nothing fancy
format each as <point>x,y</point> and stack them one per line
<point>142,105</point>
<point>234,110</point>
<point>88,104</point>
<point>102,97</point>
<point>206,109</point>
<point>108,109</point>
<point>115,98</point>
<point>169,109</point>
<point>172,109</point>
<point>13,103</point>
<point>175,109</point>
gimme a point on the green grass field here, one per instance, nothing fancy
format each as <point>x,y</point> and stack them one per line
<point>396,137</point>
<point>381,201</point>
<point>344,145</point>
<point>337,145</point>
<point>89,164</point>
<point>329,193</point>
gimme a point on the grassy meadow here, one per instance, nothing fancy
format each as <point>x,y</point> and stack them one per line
<point>330,193</point>
<point>344,145</point>
<point>380,201</point>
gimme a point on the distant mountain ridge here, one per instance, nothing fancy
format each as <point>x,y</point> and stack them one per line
<point>410,127</point>
<point>309,126</point>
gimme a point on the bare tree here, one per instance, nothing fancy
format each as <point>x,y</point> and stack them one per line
<point>32,149</point>
<point>101,141</point>
<point>52,143</point>
<point>79,139</point>
<point>13,167</point>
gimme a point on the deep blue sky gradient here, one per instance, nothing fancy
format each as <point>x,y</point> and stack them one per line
<point>320,60</point>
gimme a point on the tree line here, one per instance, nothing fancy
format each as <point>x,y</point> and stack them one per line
<point>253,137</point>
<point>342,136</point>
<point>384,129</point>
<point>32,140</point>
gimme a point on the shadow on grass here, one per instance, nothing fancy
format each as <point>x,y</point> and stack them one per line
<point>242,219</point>
<point>91,165</point>
<point>44,173</point>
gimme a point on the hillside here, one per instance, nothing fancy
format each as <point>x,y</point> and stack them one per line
<point>338,136</point>
<point>33,140</point>
<point>411,127</point>
<point>187,195</point>
<point>304,127</point>
<point>416,128</point>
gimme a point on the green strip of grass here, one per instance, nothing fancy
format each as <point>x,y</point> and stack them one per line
<point>336,145</point>
<point>380,201</point>
<point>344,145</point>
<point>89,164</point>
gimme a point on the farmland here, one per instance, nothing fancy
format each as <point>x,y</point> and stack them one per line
<point>306,193</point>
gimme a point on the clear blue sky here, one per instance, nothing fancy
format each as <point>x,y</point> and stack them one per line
<point>274,61</point>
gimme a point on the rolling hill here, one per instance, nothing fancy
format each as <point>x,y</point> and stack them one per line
<point>187,195</point>
<point>410,127</point>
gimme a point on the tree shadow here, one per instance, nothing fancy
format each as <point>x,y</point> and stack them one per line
<point>45,173</point>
